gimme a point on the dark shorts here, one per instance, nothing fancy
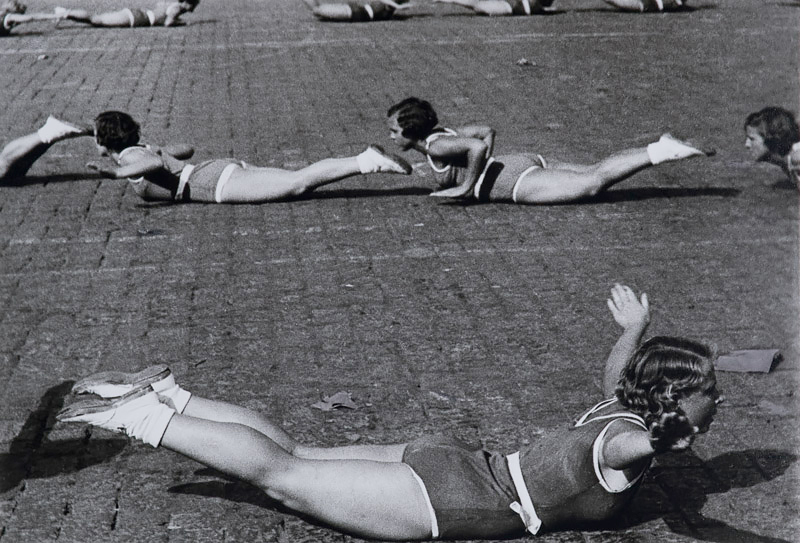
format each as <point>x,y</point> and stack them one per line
<point>470,489</point>
<point>138,17</point>
<point>535,6</point>
<point>202,183</point>
<point>380,11</point>
<point>502,176</point>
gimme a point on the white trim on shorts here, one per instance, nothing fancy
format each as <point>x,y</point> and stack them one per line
<point>431,512</point>
<point>129,13</point>
<point>477,190</point>
<point>224,177</point>
<point>525,509</point>
<point>526,172</point>
<point>185,173</point>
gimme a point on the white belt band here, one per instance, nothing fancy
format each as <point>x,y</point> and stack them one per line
<point>525,510</point>
<point>185,173</point>
<point>369,11</point>
<point>526,5</point>
<point>431,512</point>
<point>129,13</point>
<point>224,177</point>
<point>482,176</point>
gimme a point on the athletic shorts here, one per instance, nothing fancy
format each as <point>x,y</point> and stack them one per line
<point>501,176</point>
<point>470,490</point>
<point>370,11</point>
<point>661,5</point>
<point>521,7</point>
<point>140,17</point>
<point>205,181</point>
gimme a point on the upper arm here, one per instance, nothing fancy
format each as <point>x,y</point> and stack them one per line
<point>138,162</point>
<point>625,445</point>
<point>476,131</point>
<point>454,147</point>
<point>180,151</point>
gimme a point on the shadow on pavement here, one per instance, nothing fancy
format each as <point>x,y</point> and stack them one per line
<point>365,193</point>
<point>32,456</point>
<point>685,488</point>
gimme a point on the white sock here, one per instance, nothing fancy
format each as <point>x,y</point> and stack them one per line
<point>152,425</point>
<point>176,397</point>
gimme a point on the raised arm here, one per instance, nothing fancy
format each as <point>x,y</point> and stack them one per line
<point>485,133</point>
<point>181,151</point>
<point>146,163</point>
<point>634,316</point>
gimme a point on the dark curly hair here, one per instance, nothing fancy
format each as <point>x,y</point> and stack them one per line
<point>662,371</point>
<point>416,117</point>
<point>777,126</point>
<point>116,130</point>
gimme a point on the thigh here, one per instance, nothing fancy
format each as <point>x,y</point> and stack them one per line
<point>377,500</point>
<point>114,18</point>
<point>493,7</point>
<point>334,12</point>
<point>252,184</point>
<point>552,186</point>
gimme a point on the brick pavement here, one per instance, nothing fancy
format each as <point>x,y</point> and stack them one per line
<point>485,321</point>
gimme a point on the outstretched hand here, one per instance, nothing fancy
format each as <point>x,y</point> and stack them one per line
<point>672,432</point>
<point>627,310</point>
<point>102,170</point>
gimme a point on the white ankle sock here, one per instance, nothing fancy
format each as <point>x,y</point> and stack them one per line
<point>176,397</point>
<point>150,425</point>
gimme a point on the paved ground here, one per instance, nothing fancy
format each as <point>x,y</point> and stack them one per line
<point>486,321</point>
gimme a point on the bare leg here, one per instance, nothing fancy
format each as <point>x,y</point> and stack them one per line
<point>253,185</point>
<point>484,7</point>
<point>333,12</point>
<point>19,154</point>
<point>370,499</point>
<point>626,5</point>
<point>119,18</point>
<point>568,182</point>
<point>565,182</point>
<point>213,410</point>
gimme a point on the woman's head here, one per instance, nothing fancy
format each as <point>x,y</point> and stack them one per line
<point>670,374</point>
<point>411,120</point>
<point>771,132</point>
<point>116,130</point>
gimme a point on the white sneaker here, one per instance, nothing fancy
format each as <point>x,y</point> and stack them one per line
<point>55,130</point>
<point>375,160</point>
<point>669,148</point>
<point>137,414</point>
<point>115,384</point>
